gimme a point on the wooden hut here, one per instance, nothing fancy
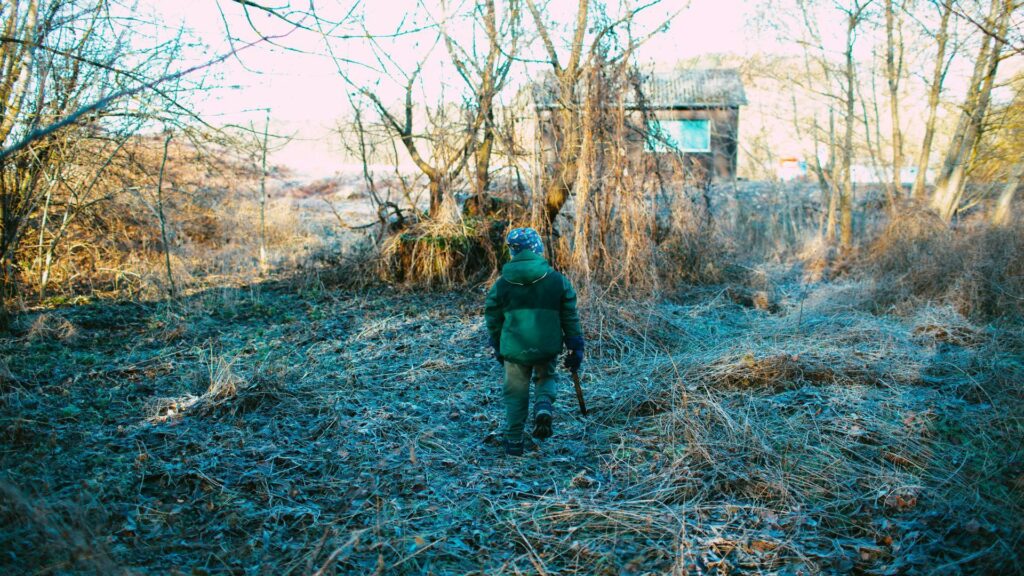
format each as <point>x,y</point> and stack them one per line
<point>691,113</point>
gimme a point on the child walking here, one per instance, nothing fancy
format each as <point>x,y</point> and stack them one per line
<point>530,313</point>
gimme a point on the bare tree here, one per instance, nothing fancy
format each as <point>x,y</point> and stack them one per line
<point>449,152</point>
<point>63,94</point>
<point>951,183</point>
<point>391,215</point>
<point>565,126</point>
<point>828,85</point>
<point>54,58</point>
<point>80,197</point>
<point>485,79</point>
<point>854,15</point>
<point>938,78</point>
<point>893,75</point>
<point>257,144</point>
<point>451,138</point>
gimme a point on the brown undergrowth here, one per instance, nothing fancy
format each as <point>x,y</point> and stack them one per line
<point>973,266</point>
<point>438,254</point>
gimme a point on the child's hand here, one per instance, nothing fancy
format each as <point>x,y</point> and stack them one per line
<point>575,357</point>
<point>495,347</point>
<point>574,360</point>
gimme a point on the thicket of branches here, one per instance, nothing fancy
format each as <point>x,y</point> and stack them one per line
<point>99,145</point>
<point>95,127</point>
<point>623,221</point>
<point>898,109</point>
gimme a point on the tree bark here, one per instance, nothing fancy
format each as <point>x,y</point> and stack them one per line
<point>565,124</point>
<point>1004,207</point>
<point>846,192</point>
<point>436,189</point>
<point>934,92</point>
<point>949,189</point>
<point>19,67</point>
<point>894,69</point>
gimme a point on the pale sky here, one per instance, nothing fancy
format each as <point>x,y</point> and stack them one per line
<point>307,95</point>
<point>306,86</point>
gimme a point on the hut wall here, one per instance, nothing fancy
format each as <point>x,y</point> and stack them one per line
<point>717,164</point>
<point>720,162</point>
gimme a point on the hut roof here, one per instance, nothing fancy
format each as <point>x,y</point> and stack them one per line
<point>693,88</point>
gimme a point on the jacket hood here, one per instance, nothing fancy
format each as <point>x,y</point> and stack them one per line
<point>526,268</point>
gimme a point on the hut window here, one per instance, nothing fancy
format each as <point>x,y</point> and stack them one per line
<point>681,135</point>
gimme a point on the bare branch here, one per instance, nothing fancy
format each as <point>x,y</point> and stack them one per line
<point>104,102</point>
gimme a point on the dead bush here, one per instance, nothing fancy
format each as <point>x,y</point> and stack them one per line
<point>52,327</point>
<point>696,255</point>
<point>992,282</point>
<point>915,255</point>
<point>435,254</point>
<point>975,267</point>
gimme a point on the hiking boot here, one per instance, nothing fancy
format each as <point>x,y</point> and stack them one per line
<point>542,421</point>
<point>513,448</point>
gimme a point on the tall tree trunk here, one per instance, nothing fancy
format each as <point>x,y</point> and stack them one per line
<point>824,179</point>
<point>14,87</point>
<point>1003,212</point>
<point>436,196</point>
<point>567,138</point>
<point>893,71</point>
<point>483,165</point>
<point>586,164</point>
<point>565,124</point>
<point>875,149</point>
<point>846,193</point>
<point>935,91</point>
<point>833,197</point>
<point>949,189</point>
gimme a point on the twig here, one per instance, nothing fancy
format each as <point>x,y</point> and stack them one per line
<point>531,553</point>
<point>347,546</point>
<point>414,554</point>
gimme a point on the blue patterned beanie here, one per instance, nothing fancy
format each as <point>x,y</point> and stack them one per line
<point>524,239</point>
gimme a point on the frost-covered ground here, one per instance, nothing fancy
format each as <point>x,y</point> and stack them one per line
<point>284,429</point>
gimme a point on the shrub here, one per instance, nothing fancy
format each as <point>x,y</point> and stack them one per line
<point>433,254</point>
<point>977,268</point>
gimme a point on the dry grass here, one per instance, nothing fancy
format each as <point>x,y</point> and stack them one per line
<point>354,431</point>
<point>65,527</point>
<point>52,327</point>
<point>977,268</point>
<point>441,254</point>
<point>695,252</point>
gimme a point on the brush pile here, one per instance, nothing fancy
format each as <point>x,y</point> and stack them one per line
<point>436,254</point>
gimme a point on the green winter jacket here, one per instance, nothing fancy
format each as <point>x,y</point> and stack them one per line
<point>531,310</point>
